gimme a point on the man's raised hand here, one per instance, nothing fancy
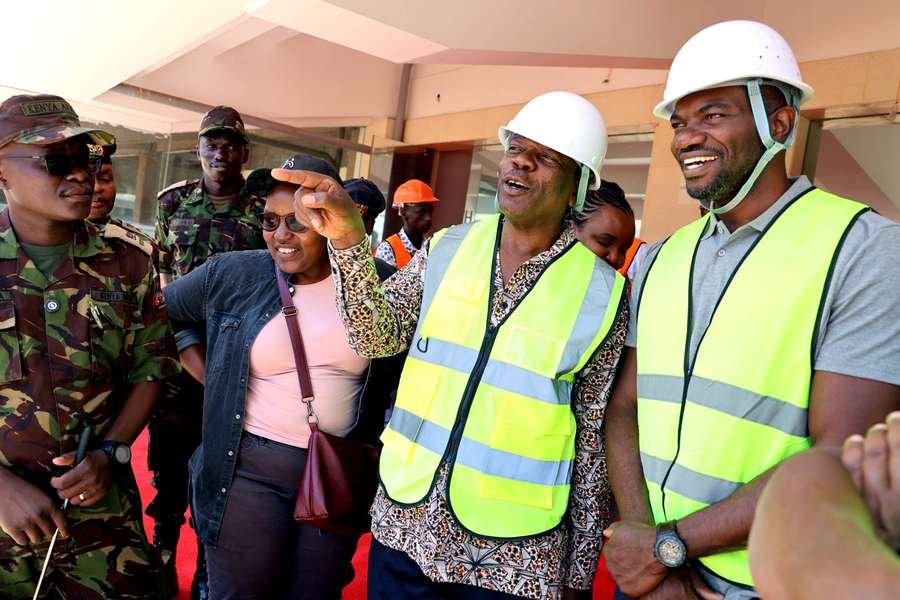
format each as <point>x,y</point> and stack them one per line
<point>322,202</point>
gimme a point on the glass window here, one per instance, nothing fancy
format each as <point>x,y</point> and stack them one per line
<point>627,163</point>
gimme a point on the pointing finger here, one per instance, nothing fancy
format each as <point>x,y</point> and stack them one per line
<point>307,179</point>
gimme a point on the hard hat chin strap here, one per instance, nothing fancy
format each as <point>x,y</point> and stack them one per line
<point>773,147</point>
<point>582,188</point>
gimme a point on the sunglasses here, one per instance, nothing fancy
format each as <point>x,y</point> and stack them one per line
<point>60,165</point>
<point>270,222</point>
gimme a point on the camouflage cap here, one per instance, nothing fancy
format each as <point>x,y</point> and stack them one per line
<point>223,117</point>
<point>260,182</point>
<point>106,153</point>
<point>43,119</point>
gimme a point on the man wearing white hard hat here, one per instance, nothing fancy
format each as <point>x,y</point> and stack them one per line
<point>761,330</point>
<point>492,473</point>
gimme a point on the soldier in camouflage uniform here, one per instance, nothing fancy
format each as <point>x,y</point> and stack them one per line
<point>103,202</point>
<point>196,219</point>
<point>84,340</point>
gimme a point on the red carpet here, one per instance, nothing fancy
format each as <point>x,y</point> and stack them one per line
<point>187,545</point>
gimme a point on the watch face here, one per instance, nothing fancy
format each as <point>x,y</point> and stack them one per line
<point>670,552</point>
<point>122,454</point>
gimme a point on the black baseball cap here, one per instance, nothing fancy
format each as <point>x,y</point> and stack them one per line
<point>365,193</point>
<point>260,182</point>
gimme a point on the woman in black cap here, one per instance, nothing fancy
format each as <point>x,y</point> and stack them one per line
<point>245,474</point>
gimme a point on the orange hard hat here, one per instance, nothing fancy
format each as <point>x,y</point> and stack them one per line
<point>413,192</point>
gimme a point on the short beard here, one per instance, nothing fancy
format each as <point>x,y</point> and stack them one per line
<point>727,183</point>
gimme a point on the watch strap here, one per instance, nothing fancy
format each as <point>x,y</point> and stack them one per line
<point>110,447</point>
<point>667,532</point>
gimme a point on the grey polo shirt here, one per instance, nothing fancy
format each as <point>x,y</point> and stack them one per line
<point>859,333</point>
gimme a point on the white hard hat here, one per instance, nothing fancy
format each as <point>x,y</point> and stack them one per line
<point>565,122</point>
<point>730,53</point>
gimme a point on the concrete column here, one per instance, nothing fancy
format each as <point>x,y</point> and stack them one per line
<point>375,133</point>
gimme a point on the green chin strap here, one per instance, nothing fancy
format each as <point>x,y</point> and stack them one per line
<point>582,188</point>
<point>772,146</point>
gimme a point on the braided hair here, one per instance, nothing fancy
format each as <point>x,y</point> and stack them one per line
<point>608,194</point>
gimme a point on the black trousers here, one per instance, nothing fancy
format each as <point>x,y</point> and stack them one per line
<point>261,552</point>
<point>174,435</point>
<point>394,575</point>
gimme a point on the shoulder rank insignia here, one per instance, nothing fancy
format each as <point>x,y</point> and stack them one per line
<point>116,231</point>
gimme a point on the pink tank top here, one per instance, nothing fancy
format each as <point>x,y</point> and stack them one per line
<point>273,408</point>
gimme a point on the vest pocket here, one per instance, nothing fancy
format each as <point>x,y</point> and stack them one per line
<point>228,340</point>
<point>539,351</point>
<point>516,492</point>
<point>541,438</point>
<point>10,354</point>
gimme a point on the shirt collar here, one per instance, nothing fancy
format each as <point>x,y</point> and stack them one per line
<point>797,187</point>
<point>87,239</point>
<point>199,195</point>
<point>406,241</point>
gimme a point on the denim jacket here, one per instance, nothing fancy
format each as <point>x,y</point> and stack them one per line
<point>234,294</point>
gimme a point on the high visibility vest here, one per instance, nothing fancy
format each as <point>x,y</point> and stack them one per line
<point>401,254</point>
<point>495,402</point>
<point>709,426</point>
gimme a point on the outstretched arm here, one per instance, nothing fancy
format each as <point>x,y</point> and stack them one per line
<point>380,319</point>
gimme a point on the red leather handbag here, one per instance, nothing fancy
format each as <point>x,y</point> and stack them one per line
<point>341,475</point>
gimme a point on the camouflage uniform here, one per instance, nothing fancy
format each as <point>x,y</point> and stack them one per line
<point>189,229</point>
<point>125,231</point>
<point>71,347</point>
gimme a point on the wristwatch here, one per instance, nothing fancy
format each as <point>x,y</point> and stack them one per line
<point>669,548</point>
<point>119,454</point>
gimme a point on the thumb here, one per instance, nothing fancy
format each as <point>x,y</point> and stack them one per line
<point>610,530</point>
<point>64,460</point>
<point>59,519</point>
<point>702,589</point>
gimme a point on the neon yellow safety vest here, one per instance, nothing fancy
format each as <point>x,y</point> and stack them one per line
<point>495,402</point>
<point>708,427</point>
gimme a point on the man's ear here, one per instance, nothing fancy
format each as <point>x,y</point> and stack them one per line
<point>781,123</point>
<point>3,183</point>
<point>246,154</point>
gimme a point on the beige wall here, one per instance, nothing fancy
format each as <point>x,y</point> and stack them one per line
<point>854,85</point>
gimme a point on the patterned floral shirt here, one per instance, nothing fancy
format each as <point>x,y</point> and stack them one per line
<point>381,320</point>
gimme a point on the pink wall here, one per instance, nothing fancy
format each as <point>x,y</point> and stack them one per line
<point>838,172</point>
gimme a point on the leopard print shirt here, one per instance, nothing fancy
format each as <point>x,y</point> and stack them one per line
<point>381,321</point>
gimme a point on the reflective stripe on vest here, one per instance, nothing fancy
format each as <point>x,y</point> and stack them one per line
<point>495,401</point>
<point>401,254</point>
<point>710,427</point>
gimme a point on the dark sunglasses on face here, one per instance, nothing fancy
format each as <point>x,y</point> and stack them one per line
<point>60,165</point>
<point>270,222</point>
